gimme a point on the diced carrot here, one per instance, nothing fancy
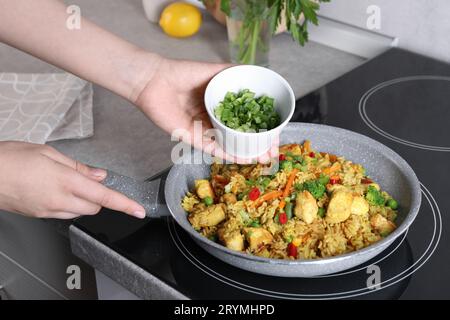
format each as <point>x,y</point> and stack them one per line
<point>287,189</point>
<point>267,197</point>
<point>307,146</point>
<point>221,179</point>
<point>335,167</point>
<point>332,157</point>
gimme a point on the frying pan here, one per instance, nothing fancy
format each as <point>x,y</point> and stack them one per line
<point>163,198</point>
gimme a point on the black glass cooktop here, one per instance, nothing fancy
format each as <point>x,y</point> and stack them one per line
<point>400,99</point>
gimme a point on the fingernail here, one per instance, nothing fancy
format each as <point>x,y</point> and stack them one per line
<point>139,214</point>
<point>99,173</point>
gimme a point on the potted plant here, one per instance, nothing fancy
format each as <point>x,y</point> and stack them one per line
<point>251,24</point>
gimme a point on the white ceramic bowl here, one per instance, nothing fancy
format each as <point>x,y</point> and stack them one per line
<point>262,81</point>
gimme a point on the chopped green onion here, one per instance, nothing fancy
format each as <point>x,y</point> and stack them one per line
<point>244,112</point>
<point>265,182</point>
<point>245,217</point>
<point>277,218</point>
<point>384,234</point>
<point>250,182</point>
<point>255,224</point>
<point>289,154</point>
<point>289,210</point>
<point>321,212</point>
<point>213,237</point>
<point>286,165</point>
<point>298,166</point>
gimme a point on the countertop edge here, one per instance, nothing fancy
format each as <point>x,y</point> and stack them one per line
<point>120,269</point>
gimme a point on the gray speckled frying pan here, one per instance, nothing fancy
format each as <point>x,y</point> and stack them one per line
<point>387,168</point>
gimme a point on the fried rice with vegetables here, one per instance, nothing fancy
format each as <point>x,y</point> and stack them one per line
<point>316,205</point>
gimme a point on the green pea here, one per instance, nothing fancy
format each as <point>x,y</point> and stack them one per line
<point>393,204</point>
<point>208,201</point>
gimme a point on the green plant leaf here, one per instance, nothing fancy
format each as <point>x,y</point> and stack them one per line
<point>254,13</point>
<point>225,6</point>
<point>275,12</point>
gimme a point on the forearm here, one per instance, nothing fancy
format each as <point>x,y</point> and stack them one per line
<point>39,28</point>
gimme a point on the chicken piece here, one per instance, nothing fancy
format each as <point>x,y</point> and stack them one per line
<point>339,208</point>
<point>306,207</point>
<point>209,217</point>
<point>257,237</point>
<point>237,184</point>
<point>360,206</point>
<point>382,225</point>
<point>331,157</point>
<point>233,240</point>
<point>229,198</point>
<point>334,187</point>
<point>203,189</point>
<point>189,202</point>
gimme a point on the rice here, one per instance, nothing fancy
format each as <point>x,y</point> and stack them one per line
<point>277,236</point>
<point>189,201</point>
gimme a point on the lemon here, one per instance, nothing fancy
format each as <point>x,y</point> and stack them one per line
<point>180,20</point>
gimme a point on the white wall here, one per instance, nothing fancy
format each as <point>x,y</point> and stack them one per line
<point>422,26</point>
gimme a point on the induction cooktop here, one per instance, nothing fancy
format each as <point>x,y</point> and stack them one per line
<point>400,99</point>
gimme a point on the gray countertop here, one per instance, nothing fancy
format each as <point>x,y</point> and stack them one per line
<point>125,141</point>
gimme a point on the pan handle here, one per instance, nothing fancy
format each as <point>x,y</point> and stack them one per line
<point>149,194</point>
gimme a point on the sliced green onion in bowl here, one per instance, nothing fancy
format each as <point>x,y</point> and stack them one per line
<point>244,112</point>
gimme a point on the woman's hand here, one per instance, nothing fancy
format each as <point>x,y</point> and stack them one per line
<point>38,181</point>
<point>173,98</point>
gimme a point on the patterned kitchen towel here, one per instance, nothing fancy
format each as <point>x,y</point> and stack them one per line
<point>45,107</point>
